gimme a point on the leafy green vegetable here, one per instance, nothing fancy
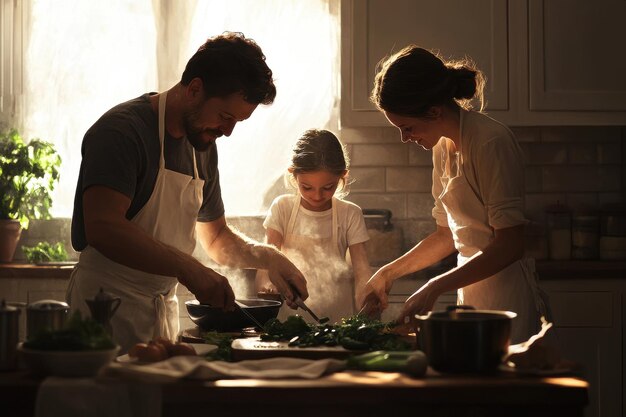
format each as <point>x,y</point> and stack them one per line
<point>77,334</point>
<point>45,252</point>
<point>354,333</point>
<point>223,343</point>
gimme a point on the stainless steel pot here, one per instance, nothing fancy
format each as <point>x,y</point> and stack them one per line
<point>464,340</point>
<point>45,315</point>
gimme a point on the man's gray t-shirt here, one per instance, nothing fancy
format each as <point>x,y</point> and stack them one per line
<point>122,150</point>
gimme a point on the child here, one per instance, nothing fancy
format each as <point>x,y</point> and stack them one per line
<point>314,228</point>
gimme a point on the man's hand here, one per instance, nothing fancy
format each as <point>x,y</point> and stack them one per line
<point>208,286</point>
<point>287,278</point>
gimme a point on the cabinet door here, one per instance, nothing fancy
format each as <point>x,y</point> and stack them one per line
<point>373,29</point>
<point>588,322</point>
<point>576,55</point>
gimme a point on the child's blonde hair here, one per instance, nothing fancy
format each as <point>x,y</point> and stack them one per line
<point>318,150</point>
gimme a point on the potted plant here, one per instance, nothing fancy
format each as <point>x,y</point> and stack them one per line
<point>28,174</point>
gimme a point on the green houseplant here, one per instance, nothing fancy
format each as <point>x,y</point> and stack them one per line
<point>28,174</point>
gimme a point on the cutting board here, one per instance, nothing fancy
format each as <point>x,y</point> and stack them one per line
<point>255,348</point>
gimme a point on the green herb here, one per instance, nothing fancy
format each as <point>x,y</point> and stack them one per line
<point>28,174</point>
<point>223,343</point>
<point>45,252</point>
<point>354,333</point>
<point>77,334</point>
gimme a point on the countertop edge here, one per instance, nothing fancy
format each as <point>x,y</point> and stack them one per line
<point>547,270</point>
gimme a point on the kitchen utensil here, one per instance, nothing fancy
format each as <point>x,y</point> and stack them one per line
<point>103,307</point>
<point>462,339</point>
<point>243,309</point>
<point>215,318</point>
<point>45,315</point>
<point>9,329</point>
<point>298,301</point>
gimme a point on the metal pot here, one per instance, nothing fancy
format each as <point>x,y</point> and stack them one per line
<point>464,340</point>
<point>45,315</point>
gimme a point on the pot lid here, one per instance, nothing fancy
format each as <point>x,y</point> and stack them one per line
<point>48,305</point>
<point>467,313</point>
<point>5,308</point>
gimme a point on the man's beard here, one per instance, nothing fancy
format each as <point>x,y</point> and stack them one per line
<point>194,133</point>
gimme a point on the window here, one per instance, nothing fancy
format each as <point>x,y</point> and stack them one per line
<point>82,58</point>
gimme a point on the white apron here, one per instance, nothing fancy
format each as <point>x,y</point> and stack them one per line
<point>149,306</point>
<point>329,277</point>
<point>515,287</point>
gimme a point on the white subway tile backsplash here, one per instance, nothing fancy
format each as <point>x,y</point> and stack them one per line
<point>583,153</point>
<point>379,155</point>
<point>367,179</point>
<point>419,156</point>
<point>545,154</point>
<point>414,179</point>
<point>420,205</point>
<point>581,134</point>
<point>395,202</point>
<point>610,153</point>
<point>582,178</point>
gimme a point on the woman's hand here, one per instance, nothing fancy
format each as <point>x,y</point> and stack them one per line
<point>373,299</point>
<point>421,302</point>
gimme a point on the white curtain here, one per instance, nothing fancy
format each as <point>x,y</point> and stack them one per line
<point>83,57</point>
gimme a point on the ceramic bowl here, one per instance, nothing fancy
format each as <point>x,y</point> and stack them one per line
<point>66,363</point>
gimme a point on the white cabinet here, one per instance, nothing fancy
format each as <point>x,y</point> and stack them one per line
<point>373,29</point>
<point>576,52</point>
<point>556,62</point>
<point>588,318</point>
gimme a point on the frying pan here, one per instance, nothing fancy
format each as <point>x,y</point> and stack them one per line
<point>214,318</point>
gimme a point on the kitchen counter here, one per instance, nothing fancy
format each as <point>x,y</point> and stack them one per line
<point>547,270</point>
<point>350,393</point>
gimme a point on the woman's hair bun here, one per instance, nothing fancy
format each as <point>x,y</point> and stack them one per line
<point>465,80</point>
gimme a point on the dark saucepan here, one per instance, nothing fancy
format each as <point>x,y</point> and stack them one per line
<point>462,339</point>
<point>214,318</point>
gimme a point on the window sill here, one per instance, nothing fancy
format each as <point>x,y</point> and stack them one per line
<point>26,270</point>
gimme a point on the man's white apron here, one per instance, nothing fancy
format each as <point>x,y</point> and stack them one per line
<point>149,306</point>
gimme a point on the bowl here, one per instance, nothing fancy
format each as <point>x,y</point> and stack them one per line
<point>78,363</point>
<point>214,318</point>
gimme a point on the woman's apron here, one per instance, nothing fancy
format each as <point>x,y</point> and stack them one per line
<point>149,306</point>
<point>329,277</point>
<point>515,287</point>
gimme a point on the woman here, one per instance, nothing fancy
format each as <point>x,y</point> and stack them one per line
<point>478,187</point>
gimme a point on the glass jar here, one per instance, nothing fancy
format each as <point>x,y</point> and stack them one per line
<point>585,236</point>
<point>559,221</point>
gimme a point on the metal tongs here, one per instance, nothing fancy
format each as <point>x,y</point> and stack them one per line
<point>298,301</point>
<point>242,307</point>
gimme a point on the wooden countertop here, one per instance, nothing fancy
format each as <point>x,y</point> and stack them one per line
<point>547,270</point>
<point>351,393</point>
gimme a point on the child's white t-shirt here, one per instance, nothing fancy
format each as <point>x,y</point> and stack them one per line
<point>350,221</point>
